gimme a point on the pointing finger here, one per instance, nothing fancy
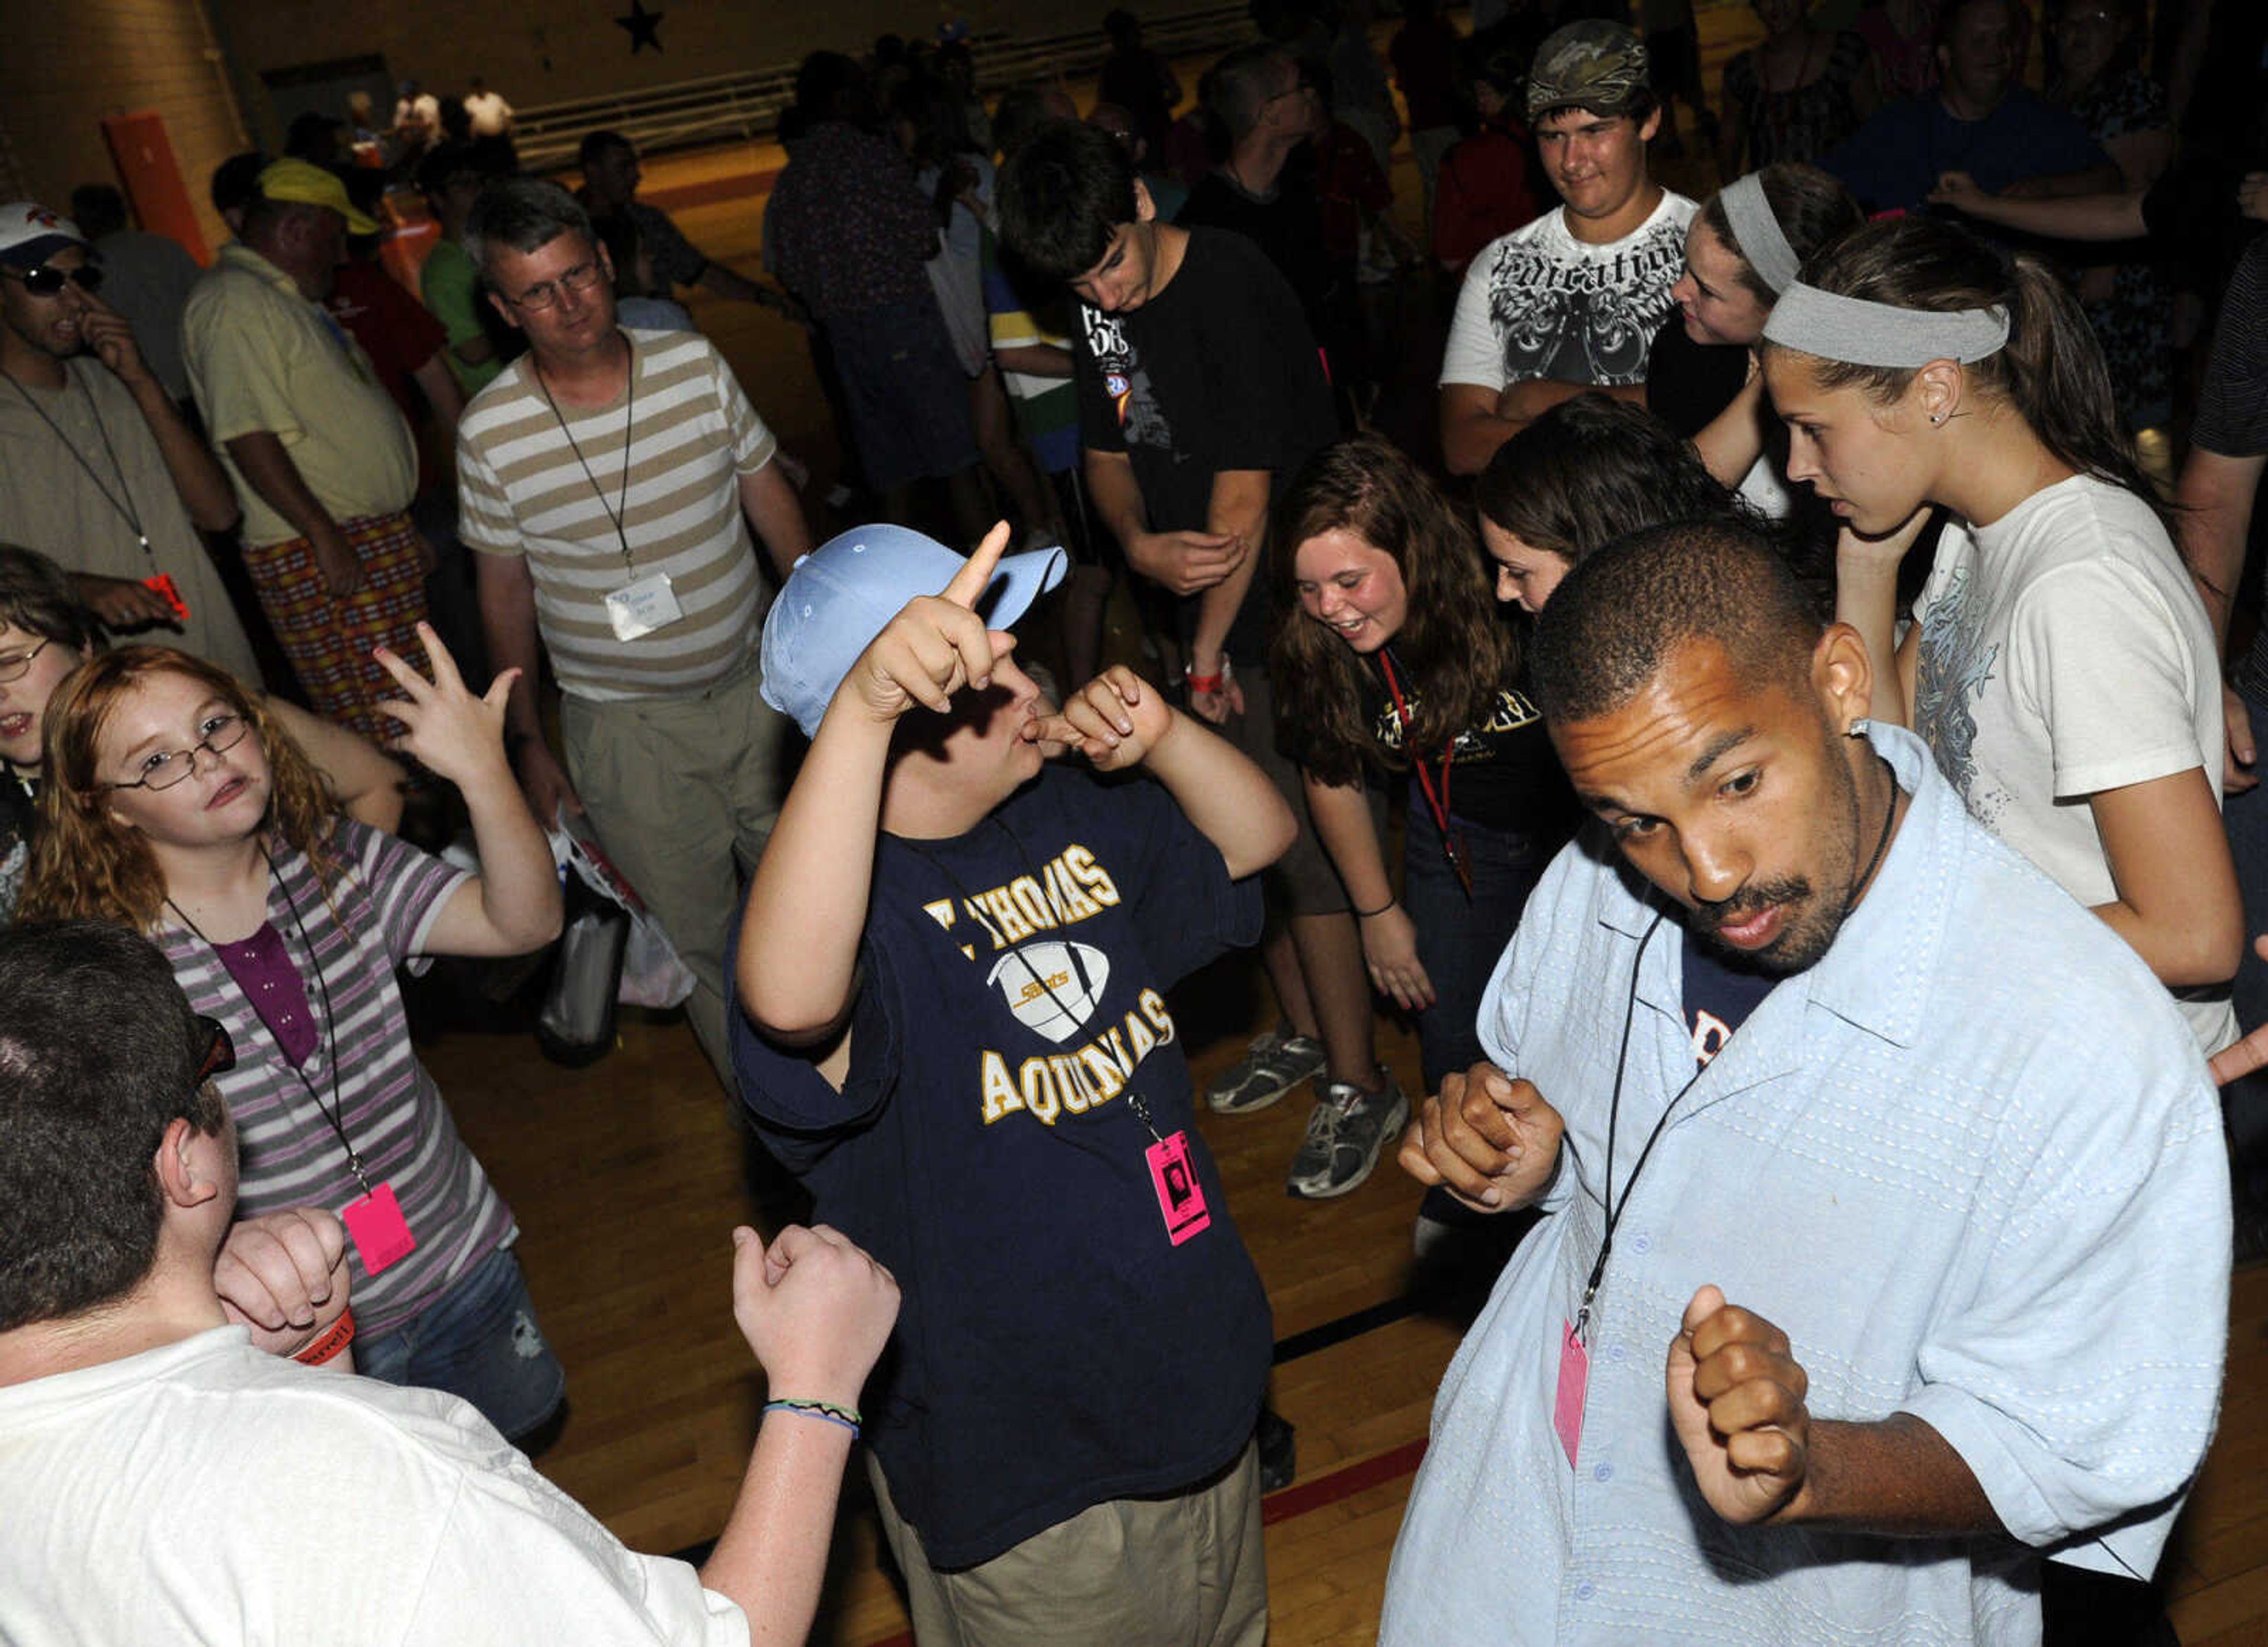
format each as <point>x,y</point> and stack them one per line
<point>969,583</point>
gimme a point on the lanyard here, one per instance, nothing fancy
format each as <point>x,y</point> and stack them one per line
<point>619,512</point>
<point>1614,1211</point>
<point>1134,1100</point>
<point>1453,847</point>
<point>335,1112</point>
<point>122,499</point>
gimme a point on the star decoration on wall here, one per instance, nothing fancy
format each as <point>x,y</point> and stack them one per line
<point>644,27</point>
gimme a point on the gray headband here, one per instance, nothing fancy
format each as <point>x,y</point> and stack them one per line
<point>1757,232</point>
<point>1859,333</point>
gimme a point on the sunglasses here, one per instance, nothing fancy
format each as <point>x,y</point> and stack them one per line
<point>46,281</point>
<point>220,1052</point>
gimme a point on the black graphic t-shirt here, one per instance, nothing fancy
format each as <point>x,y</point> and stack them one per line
<point>1055,1347</point>
<point>1720,992</point>
<point>18,814</point>
<point>1504,775</point>
<point>1538,303</point>
<point>1216,371</point>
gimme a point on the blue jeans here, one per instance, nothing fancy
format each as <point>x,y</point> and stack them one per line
<point>2245,817</point>
<point>1459,940</point>
<point>478,1340</point>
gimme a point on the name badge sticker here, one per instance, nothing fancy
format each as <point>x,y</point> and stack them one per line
<point>639,608</point>
<point>1181,1197</point>
<point>378,1231</point>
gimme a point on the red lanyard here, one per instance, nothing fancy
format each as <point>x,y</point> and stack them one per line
<point>1452,845</point>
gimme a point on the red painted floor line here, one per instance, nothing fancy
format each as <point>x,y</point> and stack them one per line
<point>1302,1496</point>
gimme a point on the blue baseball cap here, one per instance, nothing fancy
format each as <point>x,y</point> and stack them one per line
<point>844,592</point>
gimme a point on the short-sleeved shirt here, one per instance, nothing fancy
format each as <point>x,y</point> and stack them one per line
<point>263,358</point>
<point>450,283</point>
<point>676,259</point>
<point>1895,158</point>
<point>394,328</point>
<point>380,907</point>
<point>2064,650</point>
<point>1938,1160</point>
<point>846,228</point>
<point>1056,1348</point>
<point>1502,774</point>
<point>63,456</point>
<point>1047,409</point>
<point>1539,303</point>
<point>225,1494</point>
<point>544,480</point>
<point>1216,371</point>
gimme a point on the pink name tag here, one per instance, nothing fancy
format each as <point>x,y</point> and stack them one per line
<point>379,1232</point>
<point>1574,1376</point>
<point>1181,1198</point>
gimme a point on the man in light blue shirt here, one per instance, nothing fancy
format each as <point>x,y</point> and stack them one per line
<point>1886,1216</point>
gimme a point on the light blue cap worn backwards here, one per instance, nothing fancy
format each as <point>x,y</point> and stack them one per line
<point>844,592</point>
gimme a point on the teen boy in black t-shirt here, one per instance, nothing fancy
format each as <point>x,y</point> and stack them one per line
<point>1200,385</point>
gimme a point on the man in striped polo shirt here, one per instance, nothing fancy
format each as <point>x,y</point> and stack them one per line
<point>609,479</point>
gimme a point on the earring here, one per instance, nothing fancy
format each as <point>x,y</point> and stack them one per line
<point>1858,728</point>
<point>1935,418</point>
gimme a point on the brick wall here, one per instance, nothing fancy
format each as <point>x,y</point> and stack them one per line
<point>66,66</point>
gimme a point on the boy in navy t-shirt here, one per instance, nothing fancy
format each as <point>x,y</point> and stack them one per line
<point>954,1028</point>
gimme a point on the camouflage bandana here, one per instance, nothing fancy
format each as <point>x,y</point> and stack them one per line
<point>1592,64</point>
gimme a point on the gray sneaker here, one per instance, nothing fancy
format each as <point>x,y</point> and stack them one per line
<point>1275,1064</point>
<point>1345,1135</point>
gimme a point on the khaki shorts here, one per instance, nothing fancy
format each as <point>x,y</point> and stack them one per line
<point>1183,1570</point>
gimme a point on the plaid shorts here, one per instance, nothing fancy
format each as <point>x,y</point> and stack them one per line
<point>329,640</point>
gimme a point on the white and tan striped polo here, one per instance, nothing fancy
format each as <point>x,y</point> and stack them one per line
<point>522,490</point>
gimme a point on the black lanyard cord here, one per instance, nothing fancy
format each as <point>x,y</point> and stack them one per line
<point>121,500</point>
<point>335,1112</point>
<point>619,513</point>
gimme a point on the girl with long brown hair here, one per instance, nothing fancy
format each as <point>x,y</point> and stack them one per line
<point>1393,659</point>
<point>173,803</point>
<point>2059,662</point>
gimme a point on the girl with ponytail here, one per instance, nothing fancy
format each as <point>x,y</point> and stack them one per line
<point>2059,662</point>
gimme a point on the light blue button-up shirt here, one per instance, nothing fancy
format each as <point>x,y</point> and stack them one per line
<point>1970,1162</point>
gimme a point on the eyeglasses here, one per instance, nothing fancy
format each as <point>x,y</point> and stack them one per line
<point>47,280</point>
<point>15,666</point>
<point>163,770</point>
<point>220,1051</point>
<point>582,277</point>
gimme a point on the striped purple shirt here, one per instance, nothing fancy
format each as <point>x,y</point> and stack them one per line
<point>375,918</point>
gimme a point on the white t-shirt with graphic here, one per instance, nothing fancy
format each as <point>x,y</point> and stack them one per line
<point>1538,303</point>
<point>2064,652</point>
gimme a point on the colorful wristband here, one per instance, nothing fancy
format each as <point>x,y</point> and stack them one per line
<point>328,1344</point>
<point>847,1417</point>
<point>1206,683</point>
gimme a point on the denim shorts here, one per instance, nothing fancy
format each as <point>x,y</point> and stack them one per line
<point>478,1340</point>
<point>908,400</point>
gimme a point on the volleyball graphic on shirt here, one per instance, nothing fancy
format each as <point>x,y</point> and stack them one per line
<point>1052,987</point>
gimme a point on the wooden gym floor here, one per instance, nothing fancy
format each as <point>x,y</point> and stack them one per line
<point>627,1177</point>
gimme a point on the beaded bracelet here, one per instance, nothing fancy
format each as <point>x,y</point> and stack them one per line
<point>846,1417</point>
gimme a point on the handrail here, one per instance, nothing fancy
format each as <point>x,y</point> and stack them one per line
<point>747,104</point>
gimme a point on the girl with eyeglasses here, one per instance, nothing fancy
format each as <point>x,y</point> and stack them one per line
<point>45,633</point>
<point>2059,662</point>
<point>177,805</point>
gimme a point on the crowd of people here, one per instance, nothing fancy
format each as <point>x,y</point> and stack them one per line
<point>1777,629</point>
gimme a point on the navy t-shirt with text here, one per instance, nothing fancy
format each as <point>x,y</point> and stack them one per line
<point>1054,1349</point>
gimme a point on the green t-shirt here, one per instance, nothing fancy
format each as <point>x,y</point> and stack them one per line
<point>450,285</point>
